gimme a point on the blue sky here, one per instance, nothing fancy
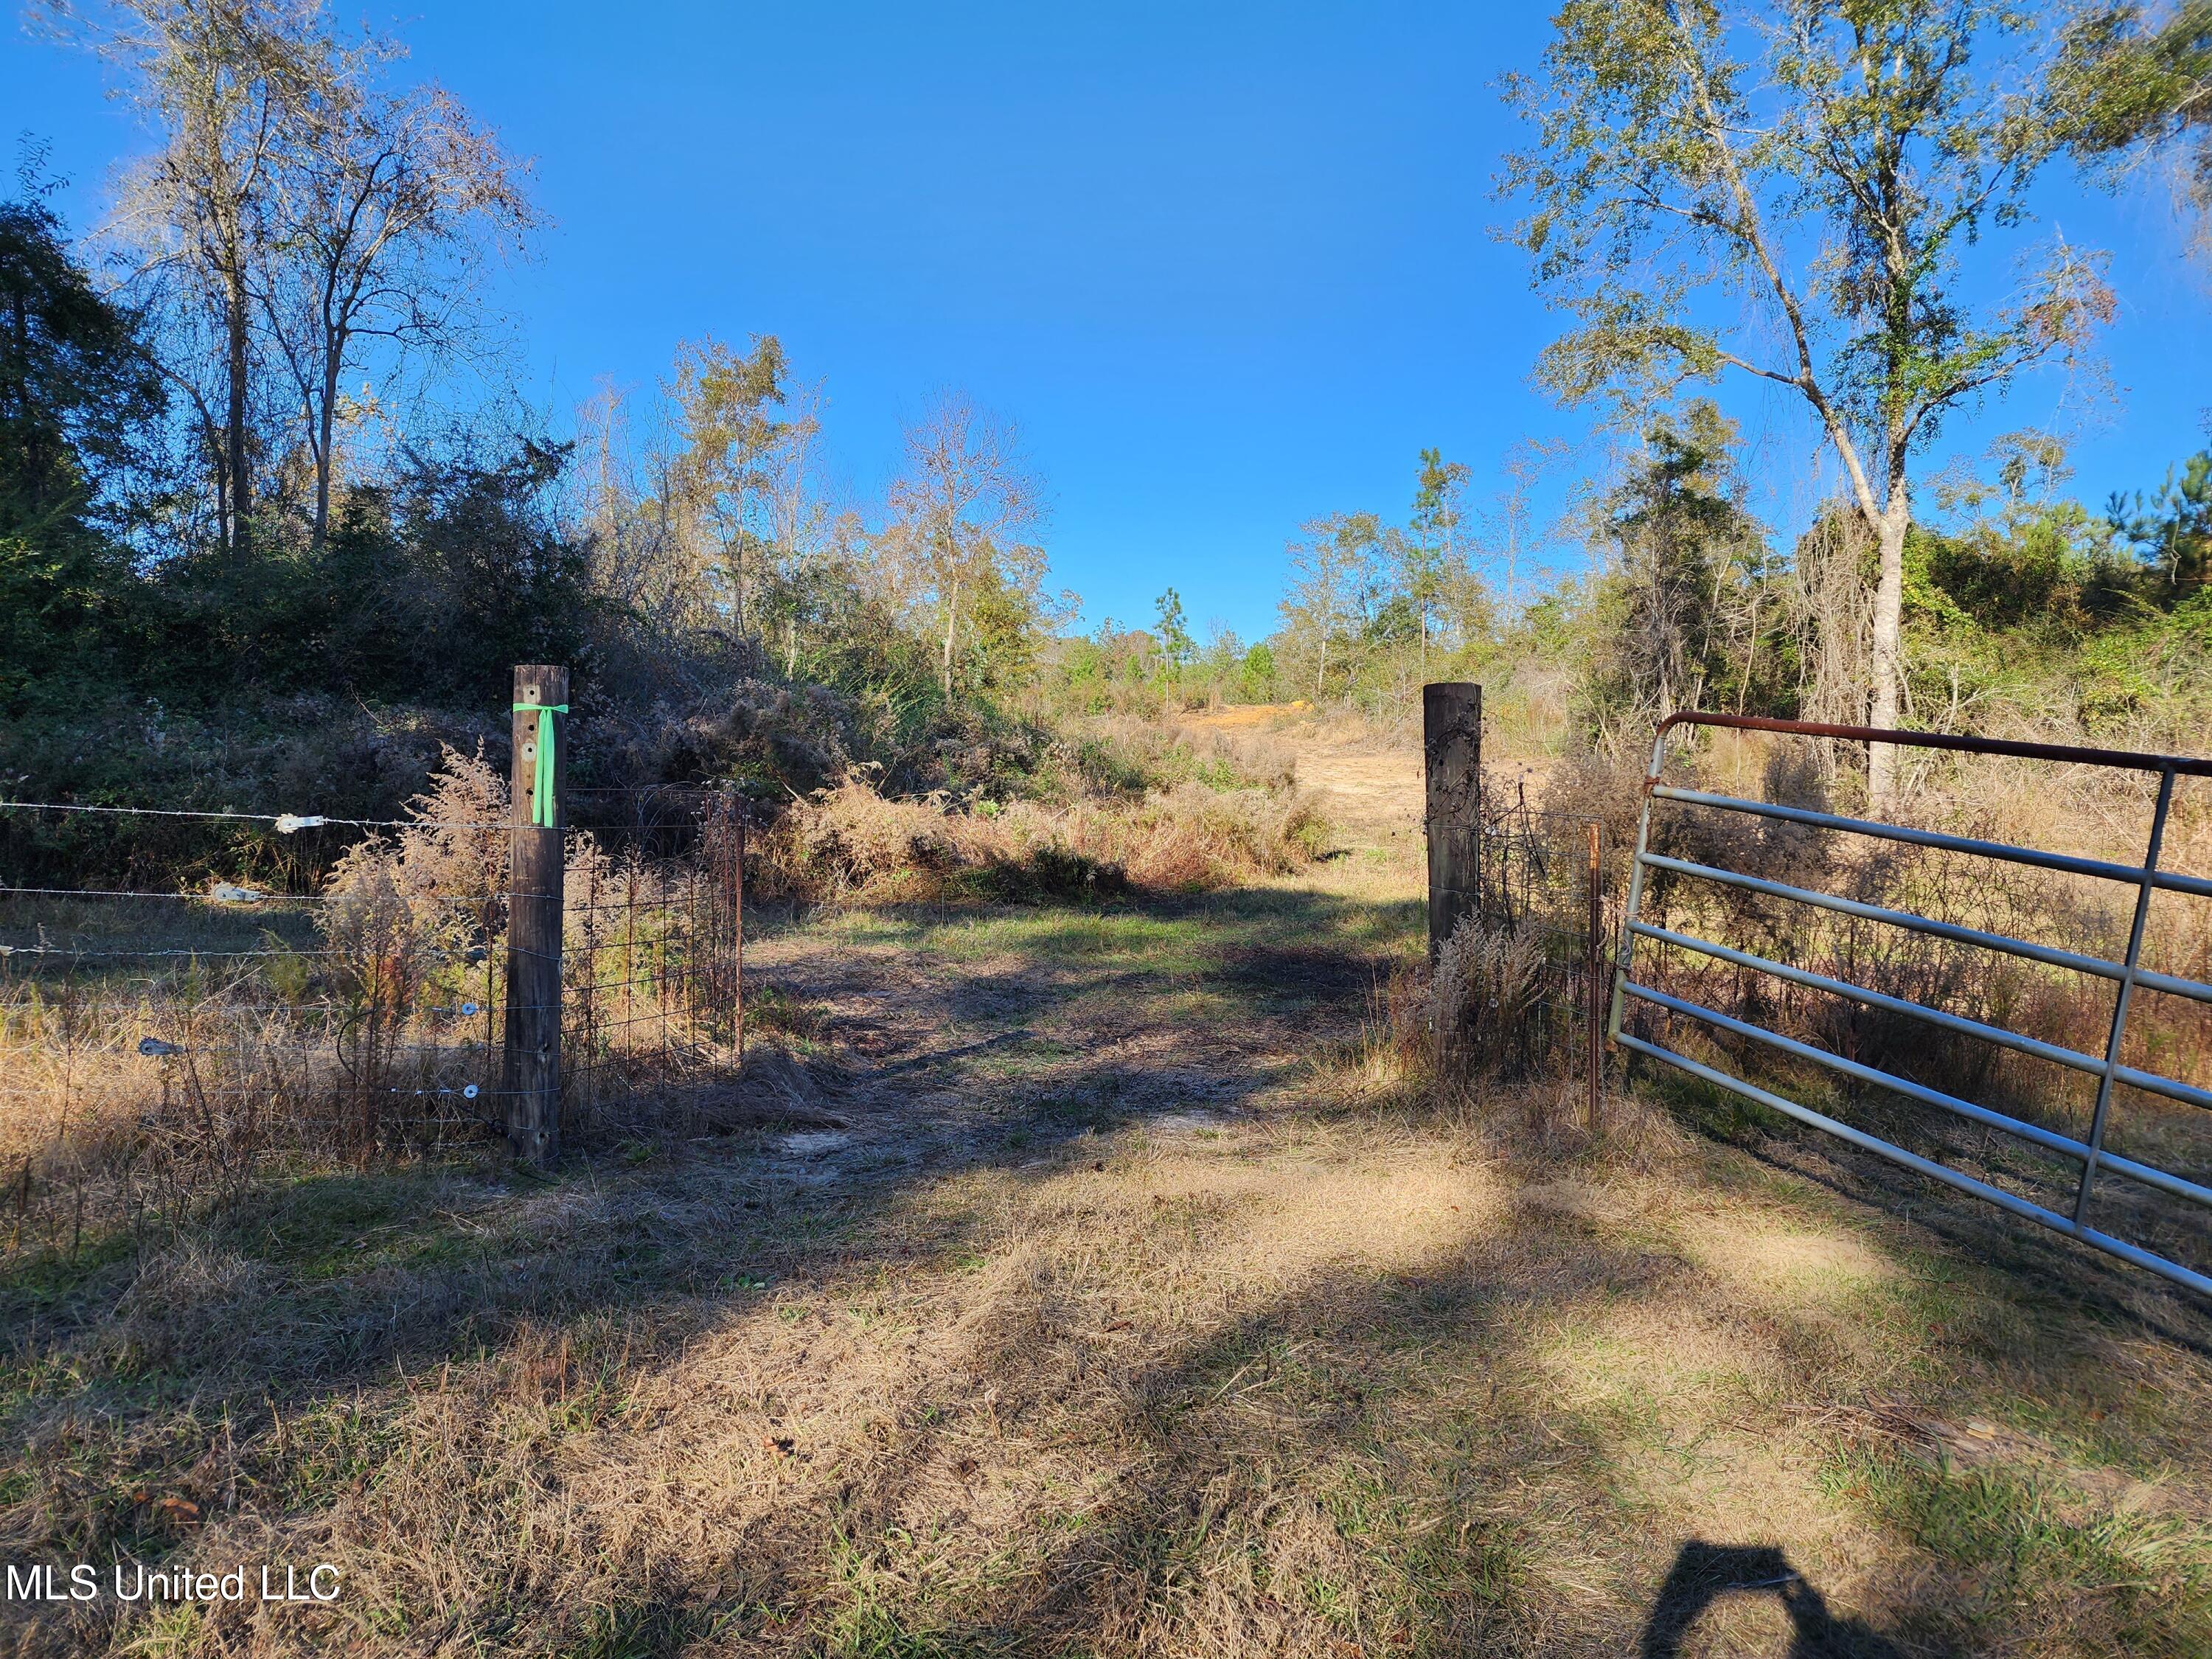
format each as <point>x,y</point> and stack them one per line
<point>1229,266</point>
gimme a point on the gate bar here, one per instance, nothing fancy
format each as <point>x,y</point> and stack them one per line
<point>2147,879</point>
<point>2196,886</point>
<point>2186,766</point>
<point>2049,1140</point>
<point>2032,1046</point>
<point>2051,955</point>
<point>2120,1003</point>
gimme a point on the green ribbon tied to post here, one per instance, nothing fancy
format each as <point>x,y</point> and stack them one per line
<point>540,790</point>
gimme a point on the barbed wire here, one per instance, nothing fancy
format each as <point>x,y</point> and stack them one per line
<point>242,896</point>
<point>287,824</point>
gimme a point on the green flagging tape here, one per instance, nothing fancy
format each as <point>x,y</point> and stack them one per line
<point>541,792</point>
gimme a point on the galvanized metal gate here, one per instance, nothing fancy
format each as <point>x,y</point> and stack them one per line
<point>2125,977</point>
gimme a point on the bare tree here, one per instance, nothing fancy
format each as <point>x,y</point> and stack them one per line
<point>1510,510</point>
<point>292,211</point>
<point>220,80</point>
<point>385,204</point>
<point>1332,574</point>
<point>960,512</point>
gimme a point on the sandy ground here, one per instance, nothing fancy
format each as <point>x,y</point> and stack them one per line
<point>1367,788</point>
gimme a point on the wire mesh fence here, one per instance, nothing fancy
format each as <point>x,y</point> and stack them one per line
<point>1524,970</point>
<point>158,1050</point>
<point>653,939</point>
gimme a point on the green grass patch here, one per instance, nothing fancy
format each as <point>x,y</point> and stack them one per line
<point>2019,1545</point>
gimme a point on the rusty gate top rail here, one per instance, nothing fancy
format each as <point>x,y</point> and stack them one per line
<point>2186,766</point>
<point>2125,974</point>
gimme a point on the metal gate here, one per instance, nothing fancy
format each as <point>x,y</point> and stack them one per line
<point>2058,973</point>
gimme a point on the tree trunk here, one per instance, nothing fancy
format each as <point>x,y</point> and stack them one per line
<point>951,617</point>
<point>326,427</point>
<point>1888,664</point>
<point>241,488</point>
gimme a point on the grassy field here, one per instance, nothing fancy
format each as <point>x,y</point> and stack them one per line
<point>1096,1284</point>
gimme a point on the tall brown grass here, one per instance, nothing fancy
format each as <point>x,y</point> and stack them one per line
<point>851,844</point>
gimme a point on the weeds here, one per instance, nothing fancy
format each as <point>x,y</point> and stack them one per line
<point>852,845</point>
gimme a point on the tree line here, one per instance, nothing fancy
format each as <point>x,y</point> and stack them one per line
<point>257,441</point>
<point>254,442</point>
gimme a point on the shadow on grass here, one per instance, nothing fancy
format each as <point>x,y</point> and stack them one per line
<point>1374,1379</point>
<point>1705,1573</point>
<point>1998,1253</point>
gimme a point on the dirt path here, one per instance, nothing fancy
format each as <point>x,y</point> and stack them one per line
<point>1372,790</point>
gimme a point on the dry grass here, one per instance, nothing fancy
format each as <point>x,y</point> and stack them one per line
<point>1140,1302</point>
<point>1288,1387</point>
<point>851,845</point>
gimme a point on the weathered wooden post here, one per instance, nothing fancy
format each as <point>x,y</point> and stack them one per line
<point>1452,745</point>
<point>532,1070</point>
<point>733,884</point>
<point>1593,969</point>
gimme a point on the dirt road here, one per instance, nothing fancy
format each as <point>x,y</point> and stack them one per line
<point>1372,788</point>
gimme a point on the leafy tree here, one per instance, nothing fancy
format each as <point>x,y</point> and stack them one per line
<point>726,474</point>
<point>1834,164</point>
<point>1255,675</point>
<point>2143,86</point>
<point>2172,529</point>
<point>1430,553</point>
<point>78,387</point>
<point>1176,646</point>
<point>960,513</point>
<point>77,393</point>
<point>1684,556</point>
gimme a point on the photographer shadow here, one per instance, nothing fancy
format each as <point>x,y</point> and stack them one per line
<point>1703,1573</point>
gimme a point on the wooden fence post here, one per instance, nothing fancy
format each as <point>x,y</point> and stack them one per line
<point>730,855</point>
<point>1452,745</point>
<point>532,1070</point>
<point>1594,970</point>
